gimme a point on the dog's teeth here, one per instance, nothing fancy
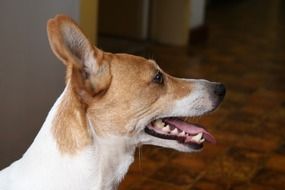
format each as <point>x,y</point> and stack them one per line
<point>202,140</point>
<point>159,123</point>
<point>182,134</point>
<point>197,137</point>
<point>174,131</point>
<point>166,128</point>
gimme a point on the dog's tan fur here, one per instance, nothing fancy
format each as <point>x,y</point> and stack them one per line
<point>112,103</point>
<point>128,80</point>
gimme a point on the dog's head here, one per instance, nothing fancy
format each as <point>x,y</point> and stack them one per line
<point>130,96</point>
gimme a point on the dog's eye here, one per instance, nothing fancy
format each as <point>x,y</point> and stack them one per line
<point>158,78</point>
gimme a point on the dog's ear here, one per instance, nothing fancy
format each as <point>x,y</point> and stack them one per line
<point>86,70</point>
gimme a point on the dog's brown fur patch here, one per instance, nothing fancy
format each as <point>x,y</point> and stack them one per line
<point>70,126</point>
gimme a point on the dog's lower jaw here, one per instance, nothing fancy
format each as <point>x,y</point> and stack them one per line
<point>172,144</point>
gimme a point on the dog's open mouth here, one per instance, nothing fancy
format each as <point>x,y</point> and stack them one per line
<point>181,131</point>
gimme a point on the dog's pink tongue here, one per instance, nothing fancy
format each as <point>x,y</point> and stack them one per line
<point>192,129</point>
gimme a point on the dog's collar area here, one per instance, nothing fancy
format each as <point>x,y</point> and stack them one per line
<point>181,131</point>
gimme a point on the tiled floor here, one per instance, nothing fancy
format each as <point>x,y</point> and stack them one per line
<point>246,51</point>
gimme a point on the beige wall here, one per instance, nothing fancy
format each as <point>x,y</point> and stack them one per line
<point>166,20</point>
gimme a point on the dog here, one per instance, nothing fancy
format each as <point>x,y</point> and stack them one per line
<point>112,103</point>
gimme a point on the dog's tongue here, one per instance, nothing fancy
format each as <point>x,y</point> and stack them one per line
<point>192,129</point>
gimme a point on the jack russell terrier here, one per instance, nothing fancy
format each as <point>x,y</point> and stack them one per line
<point>112,103</point>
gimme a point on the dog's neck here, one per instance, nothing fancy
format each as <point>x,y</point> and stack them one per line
<point>100,165</point>
<point>113,162</point>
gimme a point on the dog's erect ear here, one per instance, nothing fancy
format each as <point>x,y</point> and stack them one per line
<point>67,41</point>
<point>86,69</point>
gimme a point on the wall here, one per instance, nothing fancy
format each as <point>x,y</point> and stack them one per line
<point>89,18</point>
<point>169,21</point>
<point>31,78</point>
<point>126,18</point>
<point>198,8</point>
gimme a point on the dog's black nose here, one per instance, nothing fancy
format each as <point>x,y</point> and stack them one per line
<point>220,90</point>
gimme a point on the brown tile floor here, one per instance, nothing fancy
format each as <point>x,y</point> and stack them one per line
<point>246,51</point>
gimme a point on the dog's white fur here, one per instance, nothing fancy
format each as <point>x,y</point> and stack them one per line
<point>101,164</point>
<point>96,167</point>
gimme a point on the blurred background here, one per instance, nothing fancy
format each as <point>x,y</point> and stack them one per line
<point>238,42</point>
